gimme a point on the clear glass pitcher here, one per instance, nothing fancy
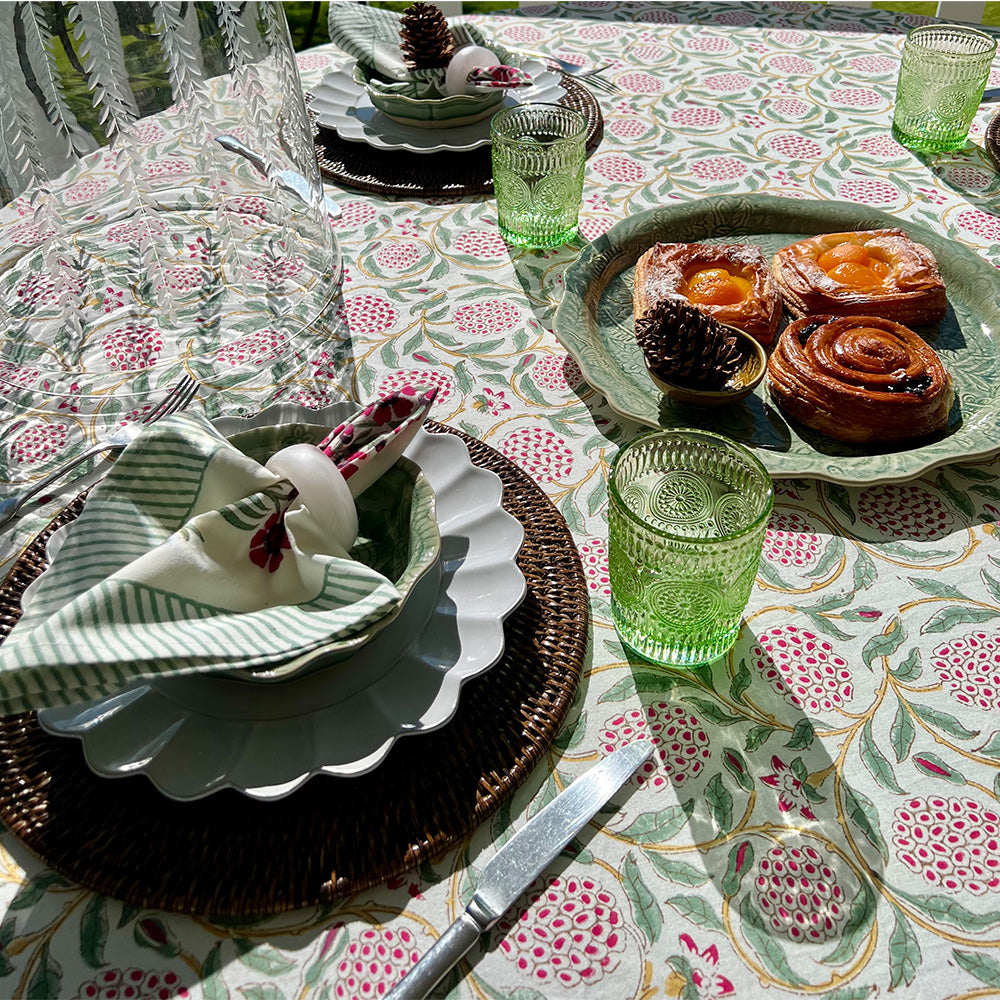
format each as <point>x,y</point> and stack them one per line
<point>162,206</point>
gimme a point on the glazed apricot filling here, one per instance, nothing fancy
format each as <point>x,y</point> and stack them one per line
<point>716,286</point>
<point>851,264</point>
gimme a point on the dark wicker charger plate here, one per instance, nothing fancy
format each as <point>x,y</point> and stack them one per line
<point>993,140</point>
<point>433,175</point>
<point>231,856</point>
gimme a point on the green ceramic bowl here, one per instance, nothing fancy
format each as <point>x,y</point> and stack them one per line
<point>439,112</point>
<point>397,536</point>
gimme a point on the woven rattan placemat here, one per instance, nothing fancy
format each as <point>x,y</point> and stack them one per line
<point>993,140</point>
<point>229,855</point>
<point>433,175</point>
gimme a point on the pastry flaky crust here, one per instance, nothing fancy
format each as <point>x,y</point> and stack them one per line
<point>662,270</point>
<point>860,379</point>
<point>913,292</point>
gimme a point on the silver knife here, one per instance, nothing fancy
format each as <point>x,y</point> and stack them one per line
<point>524,857</point>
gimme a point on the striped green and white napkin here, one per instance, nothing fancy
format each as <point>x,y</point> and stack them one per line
<point>192,557</point>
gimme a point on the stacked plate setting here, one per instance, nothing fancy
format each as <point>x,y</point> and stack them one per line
<point>266,734</point>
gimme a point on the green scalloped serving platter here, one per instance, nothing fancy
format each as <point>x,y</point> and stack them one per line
<point>594,322</point>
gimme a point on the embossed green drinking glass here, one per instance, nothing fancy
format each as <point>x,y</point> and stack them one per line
<point>941,81</point>
<point>686,522</point>
<point>539,154</point>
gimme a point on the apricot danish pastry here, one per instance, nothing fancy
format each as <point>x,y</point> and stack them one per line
<point>860,379</point>
<point>730,282</point>
<point>880,272</point>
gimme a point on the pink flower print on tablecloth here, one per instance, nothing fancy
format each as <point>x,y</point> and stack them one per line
<point>374,962</point>
<point>868,191</point>
<point>789,542</point>
<point>871,64</point>
<point>696,117</point>
<point>27,234</point>
<point>132,984</point>
<point>313,399</point>
<point>541,452</point>
<point>14,377</point>
<point>682,745</point>
<point>789,107</point>
<point>708,982</point>
<point>626,128</point>
<point>274,270</point>
<point>254,348</point>
<point>803,668</point>
<point>480,243</point>
<point>793,39</point>
<point>354,214</point>
<point>179,279</point>
<point>417,377</point>
<point>86,189</point>
<point>133,232</point>
<point>37,443</point>
<point>968,177</point>
<point>398,256</point>
<point>312,60</point>
<point>556,373</point>
<point>790,146</point>
<point>980,223</point>
<point>132,346</point>
<point>728,83</point>
<point>369,314</point>
<point>639,82</point>
<point>516,32</point>
<point>856,97</point>
<point>268,545</point>
<point>883,146</point>
<point>969,669</point>
<point>790,795</point>
<point>168,166</point>
<point>149,133</point>
<point>712,44</point>
<point>619,169</point>
<point>600,32</point>
<point>905,510</point>
<point>790,65</point>
<point>658,16</point>
<point>952,843</point>
<point>590,229</point>
<point>492,401</point>
<point>719,168</point>
<point>594,556</point>
<point>569,932</point>
<point>796,890</point>
<point>735,17</point>
<point>487,318</point>
<point>248,209</point>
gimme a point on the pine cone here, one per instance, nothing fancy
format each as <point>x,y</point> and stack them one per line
<point>424,37</point>
<point>687,347</point>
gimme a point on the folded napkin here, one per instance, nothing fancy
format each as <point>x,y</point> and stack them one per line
<point>371,36</point>
<point>191,557</point>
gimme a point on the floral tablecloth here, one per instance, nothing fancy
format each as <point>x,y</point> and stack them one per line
<point>822,815</point>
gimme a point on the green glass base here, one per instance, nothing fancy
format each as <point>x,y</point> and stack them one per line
<point>675,649</point>
<point>929,144</point>
<point>538,240</point>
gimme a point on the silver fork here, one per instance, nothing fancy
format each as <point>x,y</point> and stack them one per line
<point>180,394</point>
<point>579,73</point>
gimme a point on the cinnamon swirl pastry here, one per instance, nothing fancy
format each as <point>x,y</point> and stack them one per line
<point>860,379</point>
<point>732,283</point>
<point>881,272</point>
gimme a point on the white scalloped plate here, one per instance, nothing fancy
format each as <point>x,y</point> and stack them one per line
<point>343,105</point>
<point>195,735</point>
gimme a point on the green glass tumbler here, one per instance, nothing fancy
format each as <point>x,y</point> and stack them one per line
<point>539,154</point>
<point>688,511</point>
<point>941,82</point>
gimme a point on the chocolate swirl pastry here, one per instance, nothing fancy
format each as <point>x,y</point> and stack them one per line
<point>731,282</point>
<point>878,272</point>
<point>860,379</point>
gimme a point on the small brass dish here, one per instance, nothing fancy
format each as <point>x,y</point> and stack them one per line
<point>747,377</point>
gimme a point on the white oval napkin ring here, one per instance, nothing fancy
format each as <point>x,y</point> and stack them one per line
<point>322,489</point>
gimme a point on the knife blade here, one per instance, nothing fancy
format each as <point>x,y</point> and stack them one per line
<point>524,857</point>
